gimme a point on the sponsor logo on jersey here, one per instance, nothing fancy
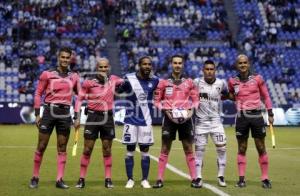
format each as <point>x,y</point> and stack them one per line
<point>142,97</point>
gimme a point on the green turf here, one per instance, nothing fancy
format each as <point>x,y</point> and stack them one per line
<point>17,144</point>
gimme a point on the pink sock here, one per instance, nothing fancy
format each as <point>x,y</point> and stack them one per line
<point>163,160</point>
<point>241,160</point>
<point>107,166</point>
<point>38,157</point>
<point>84,163</point>
<point>190,160</point>
<point>264,166</point>
<point>61,162</point>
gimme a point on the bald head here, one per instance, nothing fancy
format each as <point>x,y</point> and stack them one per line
<point>242,64</point>
<point>103,66</point>
<point>102,61</point>
<point>242,56</point>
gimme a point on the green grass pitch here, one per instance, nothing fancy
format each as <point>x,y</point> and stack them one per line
<point>17,144</point>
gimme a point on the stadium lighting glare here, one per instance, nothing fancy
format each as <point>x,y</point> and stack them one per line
<point>12,105</point>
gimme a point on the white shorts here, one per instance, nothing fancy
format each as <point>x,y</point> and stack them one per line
<point>212,129</point>
<point>133,134</point>
<point>217,135</point>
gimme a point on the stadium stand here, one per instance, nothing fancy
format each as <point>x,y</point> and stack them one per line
<point>31,32</point>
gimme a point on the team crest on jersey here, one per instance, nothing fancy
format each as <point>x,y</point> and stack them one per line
<point>252,81</point>
<point>150,85</point>
<point>218,89</point>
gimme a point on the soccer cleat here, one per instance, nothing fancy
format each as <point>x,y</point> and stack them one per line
<point>196,183</point>
<point>158,184</point>
<point>34,182</point>
<point>266,184</point>
<point>199,181</point>
<point>61,184</point>
<point>221,181</point>
<point>108,183</point>
<point>81,183</point>
<point>129,184</point>
<point>241,184</point>
<point>145,184</point>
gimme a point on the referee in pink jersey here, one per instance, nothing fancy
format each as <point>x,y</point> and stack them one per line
<point>173,94</point>
<point>249,89</point>
<point>99,91</point>
<point>57,86</point>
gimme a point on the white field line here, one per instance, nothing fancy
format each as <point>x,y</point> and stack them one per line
<point>185,175</point>
<point>120,147</point>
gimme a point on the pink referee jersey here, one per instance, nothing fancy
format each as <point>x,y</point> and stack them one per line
<point>248,94</point>
<point>171,94</point>
<point>57,87</point>
<point>99,94</point>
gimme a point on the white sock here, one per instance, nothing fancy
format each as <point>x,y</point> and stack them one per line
<point>221,160</point>
<point>130,153</point>
<point>199,155</point>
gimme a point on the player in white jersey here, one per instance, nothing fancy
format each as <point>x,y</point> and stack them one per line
<point>208,119</point>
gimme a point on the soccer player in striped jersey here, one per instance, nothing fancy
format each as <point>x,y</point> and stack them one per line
<point>139,88</point>
<point>208,120</point>
<point>99,91</point>
<point>57,86</point>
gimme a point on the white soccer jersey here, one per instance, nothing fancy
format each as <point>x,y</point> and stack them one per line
<point>208,113</point>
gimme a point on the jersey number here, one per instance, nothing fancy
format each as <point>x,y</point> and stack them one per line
<point>220,138</point>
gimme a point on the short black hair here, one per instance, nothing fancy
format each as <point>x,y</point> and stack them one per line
<point>142,58</point>
<point>177,55</point>
<point>65,49</point>
<point>209,62</point>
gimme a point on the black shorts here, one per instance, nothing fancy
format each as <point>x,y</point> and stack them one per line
<point>57,116</point>
<point>250,119</point>
<point>99,124</point>
<point>185,130</point>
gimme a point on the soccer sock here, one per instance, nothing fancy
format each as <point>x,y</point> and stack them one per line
<point>61,162</point>
<point>200,150</point>
<point>163,160</point>
<point>38,157</point>
<point>84,163</point>
<point>190,160</point>
<point>107,165</point>
<point>221,160</point>
<point>241,160</point>
<point>129,163</point>
<point>264,165</point>
<point>145,164</point>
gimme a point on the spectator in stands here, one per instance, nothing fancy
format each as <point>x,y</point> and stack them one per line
<point>177,44</point>
<point>272,33</point>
